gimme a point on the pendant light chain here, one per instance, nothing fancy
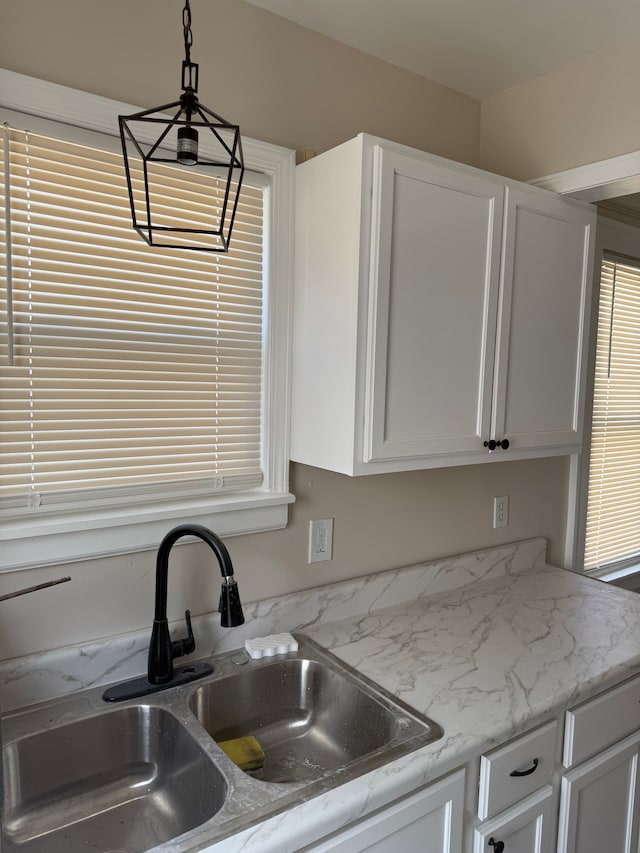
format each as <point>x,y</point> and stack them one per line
<point>188,39</point>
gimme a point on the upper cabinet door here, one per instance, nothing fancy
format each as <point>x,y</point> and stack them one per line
<point>434,280</point>
<point>546,281</point>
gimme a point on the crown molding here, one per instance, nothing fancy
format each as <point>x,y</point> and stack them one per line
<point>597,181</point>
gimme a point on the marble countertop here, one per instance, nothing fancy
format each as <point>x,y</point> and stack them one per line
<point>496,657</point>
<point>487,644</point>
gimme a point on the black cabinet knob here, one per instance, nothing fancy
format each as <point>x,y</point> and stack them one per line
<point>492,444</point>
<point>498,846</point>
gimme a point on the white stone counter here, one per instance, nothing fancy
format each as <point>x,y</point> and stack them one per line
<point>493,658</point>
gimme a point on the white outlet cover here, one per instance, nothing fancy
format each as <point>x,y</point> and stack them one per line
<point>501,511</point>
<point>320,540</point>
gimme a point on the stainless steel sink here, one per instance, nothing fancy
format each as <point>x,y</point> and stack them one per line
<point>124,780</point>
<point>309,719</point>
<point>83,776</point>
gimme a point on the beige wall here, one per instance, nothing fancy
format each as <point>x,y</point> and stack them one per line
<point>382,521</point>
<point>282,83</point>
<point>580,113</point>
<point>301,90</point>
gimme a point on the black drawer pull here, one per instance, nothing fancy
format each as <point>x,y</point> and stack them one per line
<point>528,772</point>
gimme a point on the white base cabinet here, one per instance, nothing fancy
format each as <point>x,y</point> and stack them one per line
<point>599,785</point>
<point>600,802</point>
<point>436,307</point>
<point>427,822</point>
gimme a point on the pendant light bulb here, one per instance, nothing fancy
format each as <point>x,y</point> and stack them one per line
<point>187,148</point>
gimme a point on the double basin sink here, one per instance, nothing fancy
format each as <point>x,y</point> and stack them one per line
<point>83,775</point>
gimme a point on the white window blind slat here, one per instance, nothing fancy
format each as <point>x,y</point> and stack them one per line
<point>137,370</point>
<point>613,508</point>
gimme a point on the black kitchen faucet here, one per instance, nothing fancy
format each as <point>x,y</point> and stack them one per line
<point>162,649</point>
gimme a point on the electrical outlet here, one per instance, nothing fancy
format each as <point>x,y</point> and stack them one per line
<point>501,511</point>
<point>320,540</point>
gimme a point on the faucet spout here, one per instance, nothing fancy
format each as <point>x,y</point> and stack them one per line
<point>162,650</point>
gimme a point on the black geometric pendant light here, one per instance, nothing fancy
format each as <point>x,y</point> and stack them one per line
<point>184,167</point>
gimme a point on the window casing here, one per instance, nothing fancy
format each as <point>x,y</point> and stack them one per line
<point>245,491</point>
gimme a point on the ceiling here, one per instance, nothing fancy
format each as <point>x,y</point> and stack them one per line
<point>478,47</point>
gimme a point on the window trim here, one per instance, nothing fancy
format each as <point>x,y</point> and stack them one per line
<point>597,181</point>
<point>73,536</point>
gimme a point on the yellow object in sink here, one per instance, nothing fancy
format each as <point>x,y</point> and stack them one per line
<point>246,752</point>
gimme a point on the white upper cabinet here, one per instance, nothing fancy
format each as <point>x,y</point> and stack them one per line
<point>437,308</point>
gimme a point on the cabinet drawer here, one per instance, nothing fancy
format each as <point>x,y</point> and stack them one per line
<point>600,722</point>
<point>514,771</point>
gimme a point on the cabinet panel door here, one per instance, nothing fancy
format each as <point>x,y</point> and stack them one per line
<point>545,292</point>
<point>432,313</point>
<point>427,822</point>
<point>527,827</point>
<point>599,805</point>
<point>600,722</point>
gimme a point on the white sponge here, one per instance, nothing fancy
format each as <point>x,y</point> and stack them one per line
<point>274,644</point>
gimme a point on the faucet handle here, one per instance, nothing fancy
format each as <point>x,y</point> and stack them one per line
<point>186,645</point>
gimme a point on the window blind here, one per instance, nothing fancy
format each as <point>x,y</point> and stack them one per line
<point>134,370</point>
<point>613,508</point>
